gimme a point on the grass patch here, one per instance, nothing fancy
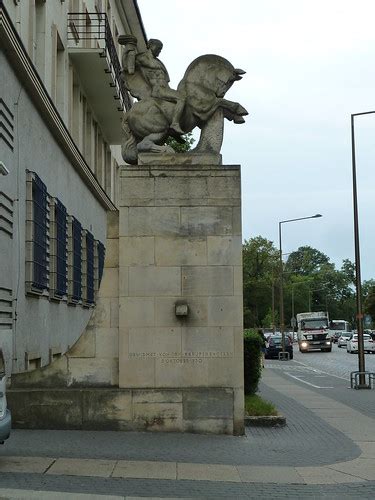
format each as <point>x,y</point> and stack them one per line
<point>255,406</point>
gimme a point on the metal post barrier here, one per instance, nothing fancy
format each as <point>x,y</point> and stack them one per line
<point>362,380</point>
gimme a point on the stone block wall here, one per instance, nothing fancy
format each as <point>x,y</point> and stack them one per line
<point>138,366</point>
<point>180,242</point>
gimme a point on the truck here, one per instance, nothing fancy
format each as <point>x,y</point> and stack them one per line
<point>313,332</point>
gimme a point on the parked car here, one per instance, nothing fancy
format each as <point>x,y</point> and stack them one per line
<point>5,418</point>
<point>342,341</point>
<point>352,344</point>
<point>274,345</point>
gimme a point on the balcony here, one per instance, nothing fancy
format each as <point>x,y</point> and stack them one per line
<point>93,53</point>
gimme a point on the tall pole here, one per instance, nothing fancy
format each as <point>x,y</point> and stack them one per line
<point>293,303</point>
<point>273,302</point>
<point>281,292</point>
<point>358,285</point>
<point>282,329</point>
<point>293,318</point>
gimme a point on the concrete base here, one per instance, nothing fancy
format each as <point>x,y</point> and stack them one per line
<point>123,409</point>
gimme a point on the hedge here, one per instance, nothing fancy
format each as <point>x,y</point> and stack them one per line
<point>252,360</point>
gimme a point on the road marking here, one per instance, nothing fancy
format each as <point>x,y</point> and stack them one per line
<point>322,371</point>
<point>308,383</point>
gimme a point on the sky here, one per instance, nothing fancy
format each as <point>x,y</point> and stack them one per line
<point>309,65</point>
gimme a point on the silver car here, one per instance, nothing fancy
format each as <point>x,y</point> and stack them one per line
<point>342,341</point>
<point>5,418</point>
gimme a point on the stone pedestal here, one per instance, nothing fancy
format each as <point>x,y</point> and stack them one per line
<point>180,251</point>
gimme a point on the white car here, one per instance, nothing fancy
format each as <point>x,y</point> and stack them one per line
<point>343,340</point>
<point>352,344</point>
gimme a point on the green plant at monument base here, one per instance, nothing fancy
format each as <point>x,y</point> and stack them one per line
<point>252,360</point>
<point>181,147</point>
<point>255,406</point>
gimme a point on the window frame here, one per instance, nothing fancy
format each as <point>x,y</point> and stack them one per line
<point>59,250</point>
<point>37,236</point>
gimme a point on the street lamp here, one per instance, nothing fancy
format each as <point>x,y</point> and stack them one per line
<point>281,277</point>
<point>358,286</point>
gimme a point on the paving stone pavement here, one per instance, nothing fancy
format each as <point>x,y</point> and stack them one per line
<point>327,450</point>
<point>131,488</point>
<point>261,446</point>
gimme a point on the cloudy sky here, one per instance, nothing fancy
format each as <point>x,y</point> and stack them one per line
<point>309,64</point>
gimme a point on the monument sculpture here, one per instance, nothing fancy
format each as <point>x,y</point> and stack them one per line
<point>162,111</point>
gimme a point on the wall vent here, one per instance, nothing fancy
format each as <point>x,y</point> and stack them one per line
<point>6,125</point>
<point>6,214</point>
<point>6,308</point>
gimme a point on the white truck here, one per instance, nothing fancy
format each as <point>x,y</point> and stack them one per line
<point>313,332</point>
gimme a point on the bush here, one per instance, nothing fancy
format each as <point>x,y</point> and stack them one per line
<point>252,360</point>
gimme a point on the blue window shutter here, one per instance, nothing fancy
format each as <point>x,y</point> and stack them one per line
<point>40,241</point>
<point>90,277</point>
<point>101,256</point>
<point>77,259</point>
<point>61,250</point>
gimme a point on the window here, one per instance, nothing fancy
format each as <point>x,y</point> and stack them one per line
<point>90,271</point>
<point>39,278</point>
<point>63,260</point>
<point>75,281</point>
<point>101,255</point>
<point>58,264</point>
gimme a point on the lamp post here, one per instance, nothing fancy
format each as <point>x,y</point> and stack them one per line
<point>282,329</point>
<point>357,258</point>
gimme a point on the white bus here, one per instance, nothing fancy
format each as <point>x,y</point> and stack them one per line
<point>339,327</point>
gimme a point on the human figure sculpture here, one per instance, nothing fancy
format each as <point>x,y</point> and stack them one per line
<point>156,75</point>
<point>163,111</point>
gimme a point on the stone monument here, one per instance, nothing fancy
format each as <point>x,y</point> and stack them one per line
<point>180,248</point>
<point>164,347</point>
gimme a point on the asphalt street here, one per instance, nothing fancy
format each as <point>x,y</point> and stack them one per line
<point>338,362</point>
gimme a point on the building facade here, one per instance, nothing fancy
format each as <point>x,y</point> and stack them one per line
<point>61,103</point>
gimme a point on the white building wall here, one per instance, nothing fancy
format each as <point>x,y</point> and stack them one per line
<point>40,323</point>
<point>43,28</point>
<point>42,327</point>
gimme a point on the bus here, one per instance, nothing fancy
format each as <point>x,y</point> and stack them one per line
<point>339,327</point>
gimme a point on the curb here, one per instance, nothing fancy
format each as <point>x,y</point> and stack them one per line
<point>269,421</point>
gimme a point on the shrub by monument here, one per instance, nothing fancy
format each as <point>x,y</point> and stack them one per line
<point>252,360</point>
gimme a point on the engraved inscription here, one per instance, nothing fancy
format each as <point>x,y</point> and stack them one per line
<point>185,355</point>
<point>181,361</point>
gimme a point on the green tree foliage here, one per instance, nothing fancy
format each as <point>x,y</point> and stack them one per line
<point>368,289</point>
<point>260,259</point>
<point>310,282</point>
<point>306,261</point>
<point>183,145</point>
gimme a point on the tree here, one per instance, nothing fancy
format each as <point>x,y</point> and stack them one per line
<point>183,145</point>
<point>310,282</point>
<point>306,261</point>
<point>260,260</point>
<point>368,292</point>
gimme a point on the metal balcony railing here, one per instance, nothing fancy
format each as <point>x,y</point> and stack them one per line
<point>91,30</point>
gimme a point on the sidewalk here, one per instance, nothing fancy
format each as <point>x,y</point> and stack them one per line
<point>327,450</point>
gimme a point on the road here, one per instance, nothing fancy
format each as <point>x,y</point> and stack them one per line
<point>329,373</point>
<point>338,362</point>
